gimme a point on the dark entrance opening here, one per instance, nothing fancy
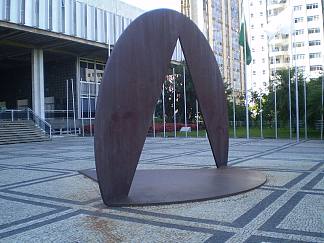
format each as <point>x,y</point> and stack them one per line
<point>15,77</point>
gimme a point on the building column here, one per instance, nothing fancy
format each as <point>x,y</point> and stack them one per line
<point>38,82</point>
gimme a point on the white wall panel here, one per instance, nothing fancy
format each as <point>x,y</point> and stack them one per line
<point>56,15</point>
<point>2,9</point>
<point>43,14</point>
<point>29,12</point>
<point>111,28</point>
<point>68,17</point>
<point>119,26</point>
<point>100,25</point>
<point>90,23</point>
<point>105,27</point>
<point>14,11</point>
<point>127,22</point>
<point>79,19</point>
<point>36,13</point>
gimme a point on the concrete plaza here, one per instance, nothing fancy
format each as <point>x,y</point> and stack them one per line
<point>43,198</point>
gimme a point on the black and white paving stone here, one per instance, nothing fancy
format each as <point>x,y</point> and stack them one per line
<point>43,198</point>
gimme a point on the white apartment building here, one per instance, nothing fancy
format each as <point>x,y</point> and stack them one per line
<point>257,73</point>
<point>303,48</point>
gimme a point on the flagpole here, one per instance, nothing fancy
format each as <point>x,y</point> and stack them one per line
<point>185,98</point>
<point>289,104</point>
<point>275,95</point>
<point>234,117</point>
<point>296,99</point>
<point>73,105</point>
<point>289,84</point>
<point>276,118</point>
<point>89,108</point>
<point>174,104</point>
<point>163,108</point>
<point>289,78</point>
<point>296,91</point>
<point>261,113</point>
<point>305,108</point>
<point>154,124</point>
<point>197,118</point>
<point>67,106</point>
<point>82,121</point>
<point>245,84</point>
<point>322,110</point>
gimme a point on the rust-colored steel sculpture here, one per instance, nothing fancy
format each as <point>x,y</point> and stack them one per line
<point>130,89</point>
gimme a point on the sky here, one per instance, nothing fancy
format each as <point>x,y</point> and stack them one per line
<point>154,4</point>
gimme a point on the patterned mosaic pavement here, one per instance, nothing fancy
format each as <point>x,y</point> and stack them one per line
<point>43,198</point>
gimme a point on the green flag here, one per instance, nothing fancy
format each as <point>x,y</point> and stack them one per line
<point>243,40</point>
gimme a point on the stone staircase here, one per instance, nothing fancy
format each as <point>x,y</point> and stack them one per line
<point>20,131</point>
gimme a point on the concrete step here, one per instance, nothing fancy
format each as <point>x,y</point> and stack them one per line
<point>3,142</point>
<point>23,136</point>
<point>20,132</point>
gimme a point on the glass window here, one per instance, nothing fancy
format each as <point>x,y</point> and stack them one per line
<point>297,8</point>
<point>299,32</point>
<point>299,57</point>
<point>298,20</point>
<point>314,30</point>
<point>314,43</point>
<point>91,74</point>
<point>316,68</point>
<point>314,55</point>
<point>312,5</point>
<point>298,44</point>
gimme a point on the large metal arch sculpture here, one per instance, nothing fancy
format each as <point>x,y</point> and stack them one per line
<point>129,92</point>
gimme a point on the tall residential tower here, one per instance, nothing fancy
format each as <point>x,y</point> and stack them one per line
<point>219,21</point>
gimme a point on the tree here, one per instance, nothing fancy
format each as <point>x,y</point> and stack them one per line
<point>314,93</point>
<point>282,90</point>
<point>168,96</point>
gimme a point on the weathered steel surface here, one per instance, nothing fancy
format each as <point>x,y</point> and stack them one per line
<point>130,89</point>
<point>166,186</point>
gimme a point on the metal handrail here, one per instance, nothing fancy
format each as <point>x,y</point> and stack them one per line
<point>42,120</point>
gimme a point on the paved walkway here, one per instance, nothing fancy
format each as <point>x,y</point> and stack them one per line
<point>43,198</point>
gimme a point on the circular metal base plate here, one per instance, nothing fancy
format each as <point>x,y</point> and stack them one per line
<point>156,187</point>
